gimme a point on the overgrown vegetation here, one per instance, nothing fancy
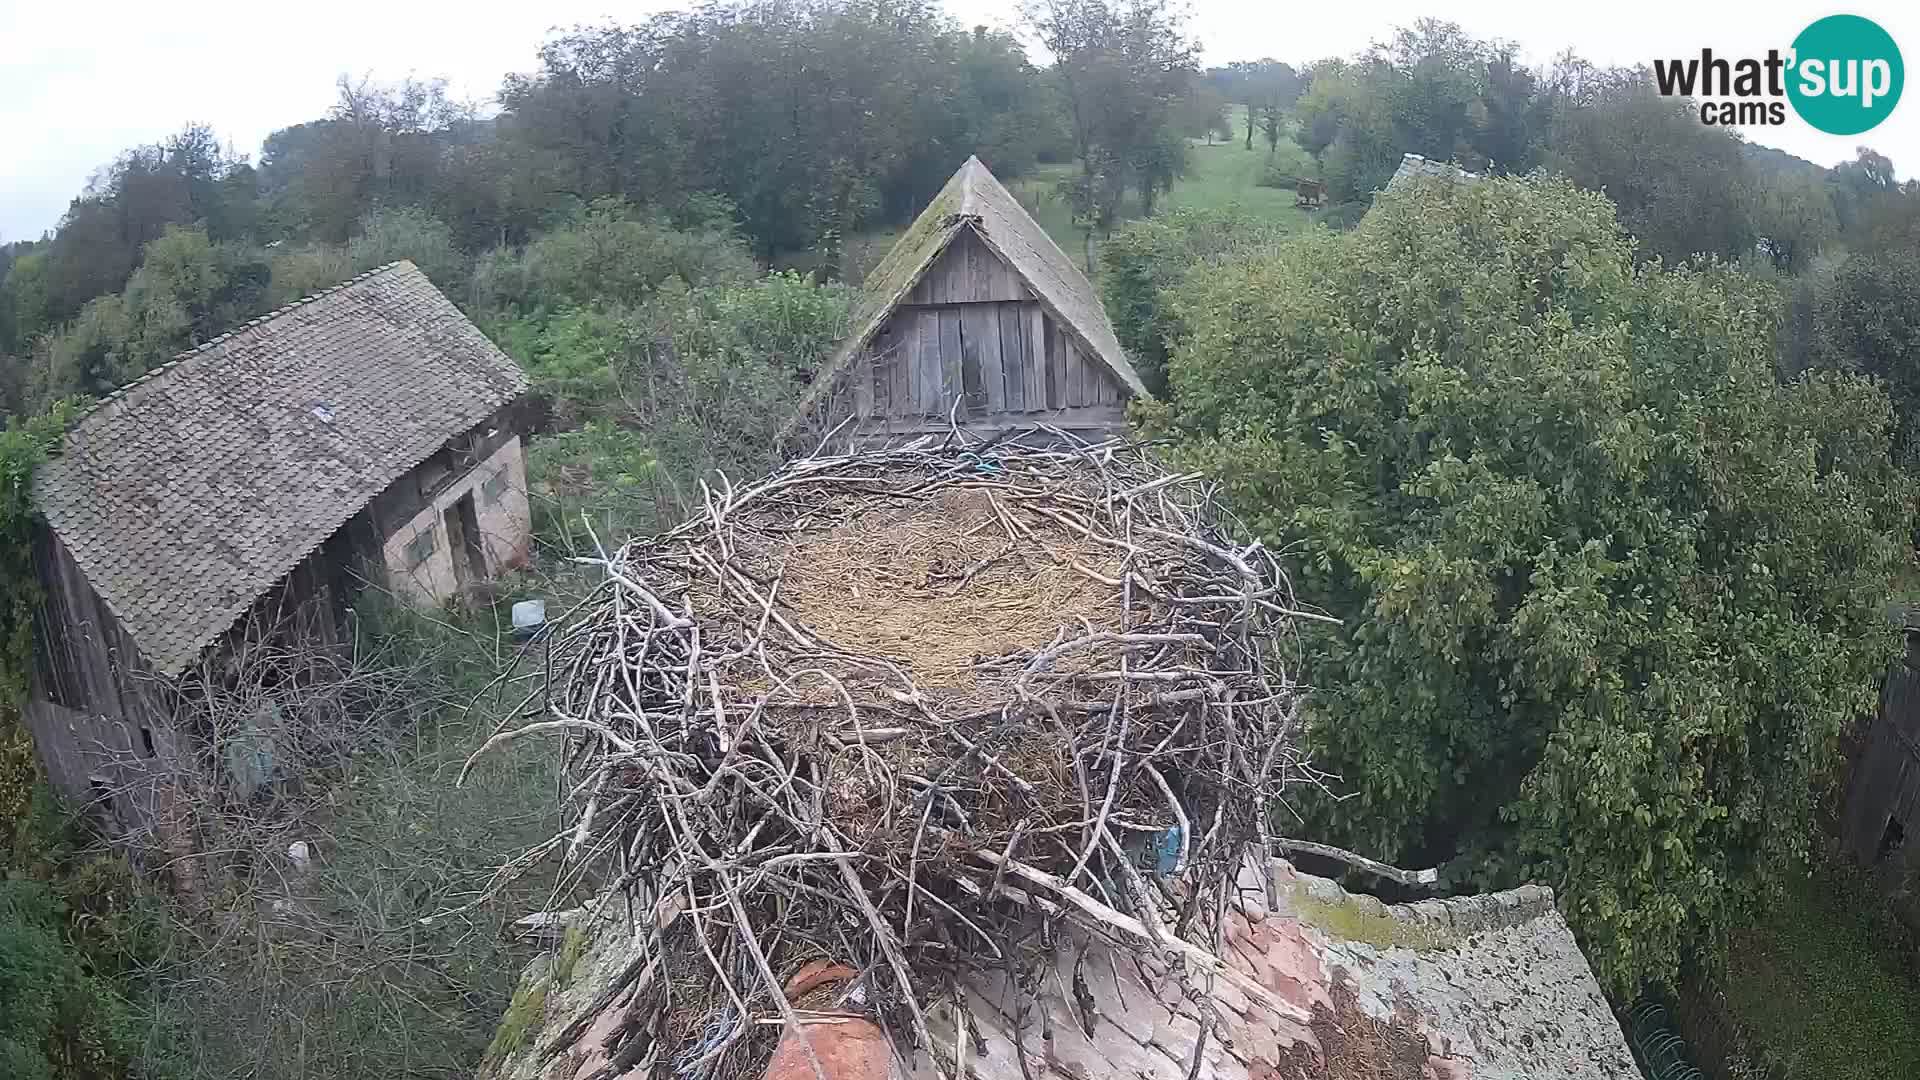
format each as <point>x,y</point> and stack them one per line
<point>385,948</point>
<point>1574,526</point>
<point>1814,987</point>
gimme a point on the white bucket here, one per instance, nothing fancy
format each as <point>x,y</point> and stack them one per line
<point>529,617</point>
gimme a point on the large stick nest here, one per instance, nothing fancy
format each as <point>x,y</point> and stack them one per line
<point>913,710</point>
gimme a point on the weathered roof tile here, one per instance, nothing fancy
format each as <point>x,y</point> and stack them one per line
<point>187,494</point>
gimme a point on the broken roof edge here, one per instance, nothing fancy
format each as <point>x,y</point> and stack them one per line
<point>119,393</point>
<point>1444,916</point>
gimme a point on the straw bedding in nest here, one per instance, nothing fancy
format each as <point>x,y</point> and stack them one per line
<point>917,710</point>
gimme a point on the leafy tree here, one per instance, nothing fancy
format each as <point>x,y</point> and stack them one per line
<point>381,237</point>
<point>1265,88</point>
<point>615,254</point>
<point>878,104</point>
<point>1609,591</point>
<point>1145,262</point>
<point>1794,218</point>
<point>1123,68</point>
<point>1683,188</point>
<point>1866,320</point>
<point>186,291</point>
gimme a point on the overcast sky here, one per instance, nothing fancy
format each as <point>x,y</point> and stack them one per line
<point>79,82</point>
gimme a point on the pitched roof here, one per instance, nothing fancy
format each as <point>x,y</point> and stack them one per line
<point>974,199</point>
<point>1332,984</point>
<point>188,494</point>
<point>1413,165</point>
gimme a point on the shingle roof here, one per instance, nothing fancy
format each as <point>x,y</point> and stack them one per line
<point>188,494</point>
<point>1412,165</point>
<point>974,199</point>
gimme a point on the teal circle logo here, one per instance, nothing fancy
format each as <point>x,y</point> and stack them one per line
<point>1847,74</point>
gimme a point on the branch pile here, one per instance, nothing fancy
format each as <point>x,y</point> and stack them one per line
<point>915,711</point>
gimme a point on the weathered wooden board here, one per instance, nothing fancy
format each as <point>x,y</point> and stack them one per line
<point>951,381</point>
<point>908,324</point>
<point>967,272</point>
<point>863,383</point>
<point>1074,364</point>
<point>1035,339</point>
<point>980,339</point>
<point>1013,354</point>
<point>903,335</point>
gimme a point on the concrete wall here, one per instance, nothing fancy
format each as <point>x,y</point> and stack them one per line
<point>499,489</point>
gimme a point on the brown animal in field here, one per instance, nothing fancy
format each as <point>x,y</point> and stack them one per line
<point>1309,193</point>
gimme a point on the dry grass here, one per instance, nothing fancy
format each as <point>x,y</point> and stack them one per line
<point>937,587</point>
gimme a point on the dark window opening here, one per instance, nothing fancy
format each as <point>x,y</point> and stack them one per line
<point>420,548</point>
<point>146,739</point>
<point>1891,838</point>
<point>494,486</point>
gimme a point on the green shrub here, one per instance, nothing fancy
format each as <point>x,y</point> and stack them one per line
<point>58,1021</point>
<point>611,256</point>
<point>1609,591</point>
<point>1143,262</point>
<point>379,238</point>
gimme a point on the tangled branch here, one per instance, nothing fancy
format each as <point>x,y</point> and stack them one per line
<point>915,710</point>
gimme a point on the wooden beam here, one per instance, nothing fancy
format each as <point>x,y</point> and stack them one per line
<point>1013,355</point>
<point>950,379</point>
<point>980,329</point>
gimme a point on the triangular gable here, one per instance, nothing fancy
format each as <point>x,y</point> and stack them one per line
<point>974,201</point>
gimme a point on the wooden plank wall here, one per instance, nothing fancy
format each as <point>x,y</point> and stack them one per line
<point>972,328</point>
<point>97,708</point>
<point>1884,782</point>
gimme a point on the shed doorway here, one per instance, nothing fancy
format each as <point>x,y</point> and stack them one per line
<point>463,542</point>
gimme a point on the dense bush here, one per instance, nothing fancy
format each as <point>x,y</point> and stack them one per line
<point>708,374</point>
<point>1141,264</point>
<point>379,238</point>
<point>1866,319</point>
<point>614,254</point>
<point>57,1020</point>
<point>1609,591</point>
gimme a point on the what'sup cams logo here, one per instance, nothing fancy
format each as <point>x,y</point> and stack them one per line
<point>1843,75</point>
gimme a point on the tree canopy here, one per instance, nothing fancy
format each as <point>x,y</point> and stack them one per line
<point>1610,591</point>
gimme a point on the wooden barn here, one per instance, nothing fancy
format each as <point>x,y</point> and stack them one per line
<point>1883,785</point>
<point>246,490</point>
<point>976,314</point>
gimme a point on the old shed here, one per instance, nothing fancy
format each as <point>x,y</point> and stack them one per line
<point>358,436</point>
<point>975,314</point>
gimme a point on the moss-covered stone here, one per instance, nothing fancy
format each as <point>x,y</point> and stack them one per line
<point>1365,920</point>
<point>525,1014</point>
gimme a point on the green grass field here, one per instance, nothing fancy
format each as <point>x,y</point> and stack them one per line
<point>1218,176</point>
<point>1222,175</point>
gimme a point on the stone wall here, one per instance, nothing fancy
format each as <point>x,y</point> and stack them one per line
<point>498,486</point>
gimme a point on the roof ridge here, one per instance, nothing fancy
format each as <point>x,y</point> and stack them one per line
<point>184,355</point>
<point>1505,909</point>
<point>971,171</point>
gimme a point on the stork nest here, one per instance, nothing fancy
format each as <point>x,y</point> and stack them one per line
<point>914,710</point>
